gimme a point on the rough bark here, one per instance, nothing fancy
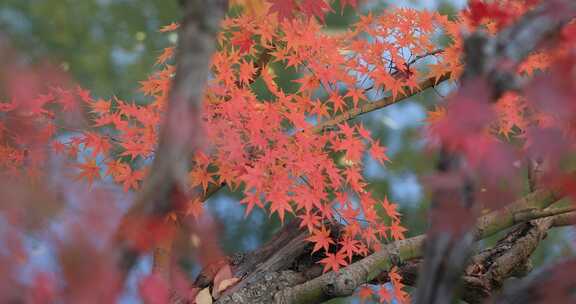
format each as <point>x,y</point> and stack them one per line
<point>298,280</point>
<point>554,284</point>
<point>488,270</point>
<point>165,187</point>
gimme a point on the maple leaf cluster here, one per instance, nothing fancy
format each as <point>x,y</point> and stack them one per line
<point>384,293</point>
<point>272,147</point>
<point>288,9</point>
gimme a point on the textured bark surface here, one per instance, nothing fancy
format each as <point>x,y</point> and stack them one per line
<point>164,189</point>
<point>286,260</point>
<point>555,283</point>
<point>284,270</point>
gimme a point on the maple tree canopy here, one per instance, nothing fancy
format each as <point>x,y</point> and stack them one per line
<point>216,115</point>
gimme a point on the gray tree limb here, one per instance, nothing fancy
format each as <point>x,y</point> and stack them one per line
<point>180,135</point>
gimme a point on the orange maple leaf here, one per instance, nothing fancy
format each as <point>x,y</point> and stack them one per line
<point>378,152</point>
<point>333,261</point>
<point>170,27</point>
<point>365,293</point>
<point>89,170</point>
<point>167,53</point>
<point>200,176</point>
<point>397,231</point>
<point>284,8</point>
<point>321,239</point>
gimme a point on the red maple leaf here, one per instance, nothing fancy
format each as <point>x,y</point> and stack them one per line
<point>167,53</point>
<point>316,8</point>
<point>98,144</point>
<point>378,152</point>
<point>252,199</point>
<point>333,261</point>
<point>390,209</point>
<point>246,72</point>
<point>384,294</point>
<point>88,170</point>
<point>279,203</point>
<point>365,293</point>
<point>309,220</point>
<point>321,239</point>
<point>170,27</point>
<point>478,10</point>
<point>284,8</point>
<point>100,106</point>
<point>349,247</point>
<point>356,95</point>
<point>132,180</point>
<point>338,103</point>
<point>243,40</point>
<point>118,170</point>
<point>200,176</point>
<point>134,149</point>
<point>194,207</point>
<point>84,94</point>
<point>397,231</point>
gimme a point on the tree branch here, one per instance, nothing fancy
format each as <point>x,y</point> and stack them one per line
<point>566,219</point>
<point>382,103</point>
<point>345,281</point>
<point>552,284</point>
<point>165,187</point>
<point>489,269</point>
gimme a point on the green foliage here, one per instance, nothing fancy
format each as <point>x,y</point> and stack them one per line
<point>107,45</point>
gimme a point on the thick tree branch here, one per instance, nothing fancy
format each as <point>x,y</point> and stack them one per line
<point>509,257</point>
<point>566,219</point>
<point>552,284</point>
<point>344,282</point>
<point>165,186</point>
<point>489,269</point>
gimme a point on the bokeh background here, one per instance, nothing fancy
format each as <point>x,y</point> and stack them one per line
<point>109,46</point>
